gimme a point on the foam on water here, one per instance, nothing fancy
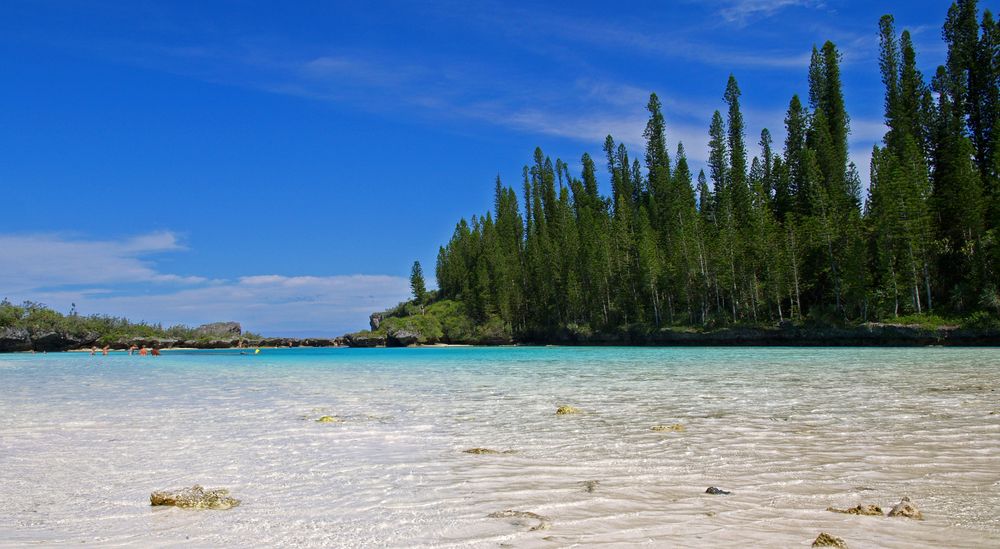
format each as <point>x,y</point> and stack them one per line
<point>84,440</point>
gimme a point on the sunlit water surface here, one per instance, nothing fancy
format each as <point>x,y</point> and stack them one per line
<point>84,440</point>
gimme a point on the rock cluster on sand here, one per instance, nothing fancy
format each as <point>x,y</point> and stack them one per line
<point>544,523</point>
<point>826,540</point>
<point>194,497</point>
<point>717,491</point>
<point>866,510</point>
<point>676,427</point>
<point>567,410</point>
<point>906,508</point>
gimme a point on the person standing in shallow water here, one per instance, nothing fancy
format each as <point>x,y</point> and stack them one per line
<point>104,351</point>
<point>143,351</point>
<point>155,351</point>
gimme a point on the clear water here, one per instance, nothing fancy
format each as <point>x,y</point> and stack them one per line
<point>84,440</point>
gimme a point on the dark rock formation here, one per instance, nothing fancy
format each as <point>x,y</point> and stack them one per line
<point>906,508</point>
<point>194,497</point>
<point>567,410</point>
<point>317,342</point>
<point>14,339</point>
<point>361,339</point>
<point>826,540</point>
<point>60,341</point>
<point>375,320</point>
<point>401,338</point>
<point>717,491</point>
<point>226,330</point>
<point>786,334</point>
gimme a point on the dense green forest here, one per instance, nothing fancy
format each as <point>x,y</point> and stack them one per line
<point>36,318</point>
<point>785,236</point>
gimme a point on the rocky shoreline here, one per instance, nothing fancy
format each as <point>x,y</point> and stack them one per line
<point>218,335</point>
<point>784,335</point>
<point>868,335</point>
<point>17,340</point>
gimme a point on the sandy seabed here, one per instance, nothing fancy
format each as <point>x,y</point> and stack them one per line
<point>790,432</point>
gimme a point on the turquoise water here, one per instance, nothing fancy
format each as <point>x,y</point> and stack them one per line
<point>790,431</point>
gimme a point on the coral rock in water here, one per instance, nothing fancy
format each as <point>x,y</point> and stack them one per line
<point>329,419</point>
<point>826,540</point>
<point>566,410</point>
<point>717,491</point>
<point>481,451</point>
<point>868,510</point>
<point>544,523</point>
<point>487,451</point>
<point>194,497</point>
<point>906,508</point>
<point>677,427</point>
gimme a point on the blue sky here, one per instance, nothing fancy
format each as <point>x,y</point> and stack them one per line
<point>283,164</point>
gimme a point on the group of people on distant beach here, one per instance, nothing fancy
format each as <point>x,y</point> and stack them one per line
<point>134,349</point>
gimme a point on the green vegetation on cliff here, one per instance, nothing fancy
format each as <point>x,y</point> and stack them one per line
<point>438,321</point>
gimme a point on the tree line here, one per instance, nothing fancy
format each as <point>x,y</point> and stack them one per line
<point>785,236</point>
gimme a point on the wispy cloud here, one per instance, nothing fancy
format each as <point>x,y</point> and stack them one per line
<point>740,12</point>
<point>119,277</point>
<point>34,261</point>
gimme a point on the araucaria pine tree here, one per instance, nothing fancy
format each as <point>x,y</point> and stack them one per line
<point>764,236</point>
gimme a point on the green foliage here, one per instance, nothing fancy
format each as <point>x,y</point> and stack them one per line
<point>927,321</point>
<point>785,240</point>
<point>417,285</point>
<point>37,318</point>
<point>982,320</point>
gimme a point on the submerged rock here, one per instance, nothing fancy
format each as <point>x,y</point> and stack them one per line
<point>590,486</point>
<point>717,491</point>
<point>676,427</point>
<point>194,497</point>
<point>487,451</point>
<point>826,540</point>
<point>329,419</point>
<point>544,523</point>
<point>866,510</point>
<point>906,508</point>
<point>567,410</point>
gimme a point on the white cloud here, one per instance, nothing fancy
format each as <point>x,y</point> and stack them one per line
<point>33,261</point>
<point>741,11</point>
<point>94,274</point>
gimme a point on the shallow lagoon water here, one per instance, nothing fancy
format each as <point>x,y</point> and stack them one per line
<point>790,431</point>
